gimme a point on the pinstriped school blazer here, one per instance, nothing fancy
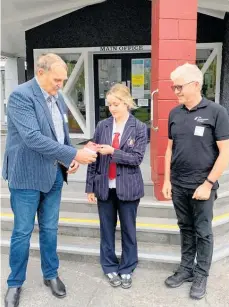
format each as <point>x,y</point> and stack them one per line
<point>32,150</point>
<point>129,182</point>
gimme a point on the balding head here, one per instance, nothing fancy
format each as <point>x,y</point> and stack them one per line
<point>45,61</point>
<point>51,72</point>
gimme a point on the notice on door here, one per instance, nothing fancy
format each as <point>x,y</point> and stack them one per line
<point>137,78</point>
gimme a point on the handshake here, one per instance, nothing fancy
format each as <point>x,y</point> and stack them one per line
<point>88,154</point>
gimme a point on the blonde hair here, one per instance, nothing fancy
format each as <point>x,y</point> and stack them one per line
<point>45,61</point>
<point>188,72</point>
<point>122,92</point>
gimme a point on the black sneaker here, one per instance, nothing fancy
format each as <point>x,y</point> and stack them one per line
<point>177,279</point>
<point>198,288</point>
<point>126,281</point>
<point>114,279</point>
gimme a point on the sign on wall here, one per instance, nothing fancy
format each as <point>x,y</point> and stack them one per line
<point>132,48</point>
<point>140,78</point>
<point>137,78</point>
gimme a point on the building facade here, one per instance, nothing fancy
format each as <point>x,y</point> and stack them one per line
<point>123,41</point>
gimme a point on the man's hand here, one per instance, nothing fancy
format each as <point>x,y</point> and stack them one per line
<point>91,198</point>
<point>203,191</point>
<point>85,157</point>
<point>73,167</point>
<point>106,150</point>
<point>167,190</point>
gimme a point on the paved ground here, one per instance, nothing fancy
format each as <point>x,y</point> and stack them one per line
<point>86,286</point>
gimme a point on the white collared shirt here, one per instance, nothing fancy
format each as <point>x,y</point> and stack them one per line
<point>120,129</point>
<point>55,113</point>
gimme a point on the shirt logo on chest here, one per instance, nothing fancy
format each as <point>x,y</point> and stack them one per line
<point>199,119</point>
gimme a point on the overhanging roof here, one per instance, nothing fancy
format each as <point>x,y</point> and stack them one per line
<point>215,8</point>
<point>21,15</point>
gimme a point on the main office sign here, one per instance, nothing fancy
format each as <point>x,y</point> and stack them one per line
<point>131,48</point>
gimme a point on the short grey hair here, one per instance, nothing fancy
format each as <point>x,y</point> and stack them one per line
<point>45,61</point>
<point>188,72</point>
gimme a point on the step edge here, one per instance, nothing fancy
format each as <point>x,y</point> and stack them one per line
<point>68,249</point>
<point>173,228</point>
<point>83,200</point>
<point>218,254</point>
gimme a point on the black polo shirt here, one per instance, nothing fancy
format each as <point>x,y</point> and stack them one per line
<point>194,133</point>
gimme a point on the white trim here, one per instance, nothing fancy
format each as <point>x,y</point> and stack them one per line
<point>216,53</point>
<point>67,91</point>
<point>213,5</point>
<point>207,45</point>
<point>86,60</point>
<point>213,13</point>
<point>218,73</point>
<point>209,60</point>
<point>89,95</point>
<point>74,75</point>
<point>75,112</point>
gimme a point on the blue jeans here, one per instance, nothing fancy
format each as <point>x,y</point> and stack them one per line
<point>25,204</point>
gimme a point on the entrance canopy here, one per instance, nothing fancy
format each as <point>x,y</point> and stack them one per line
<point>21,15</point>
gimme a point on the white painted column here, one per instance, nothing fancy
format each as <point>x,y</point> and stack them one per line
<point>14,75</point>
<point>11,76</point>
<point>89,94</point>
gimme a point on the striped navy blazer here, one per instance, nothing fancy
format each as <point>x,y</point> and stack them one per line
<point>129,182</point>
<point>32,150</point>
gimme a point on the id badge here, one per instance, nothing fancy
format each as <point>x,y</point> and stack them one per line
<point>199,131</point>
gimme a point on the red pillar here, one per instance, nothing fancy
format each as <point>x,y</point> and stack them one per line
<point>173,41</point>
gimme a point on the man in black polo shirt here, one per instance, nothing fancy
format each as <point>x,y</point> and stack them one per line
<point>196,156</point>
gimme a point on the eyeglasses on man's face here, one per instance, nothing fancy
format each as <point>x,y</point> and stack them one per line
<point>179,88</point>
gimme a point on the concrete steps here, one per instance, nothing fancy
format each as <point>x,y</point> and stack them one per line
<point>157,231</point>
<point>150,255</point>
<point>153,230</point>
<point>149,206</point>
<point>76,184</point>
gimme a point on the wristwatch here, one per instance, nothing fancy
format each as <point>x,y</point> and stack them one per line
<point>211,182</point>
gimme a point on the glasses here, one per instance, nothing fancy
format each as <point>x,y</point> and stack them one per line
<point>179,88</point>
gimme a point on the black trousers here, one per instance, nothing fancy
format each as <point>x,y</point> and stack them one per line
<point>127,211</point>
<point>195,223</point>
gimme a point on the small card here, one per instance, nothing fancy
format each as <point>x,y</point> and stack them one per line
<point>199,131</point>
<point>65,118</point>
<point>91,147</point>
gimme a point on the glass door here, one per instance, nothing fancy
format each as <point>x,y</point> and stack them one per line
<point>108,70</point>
<point>134,71</point>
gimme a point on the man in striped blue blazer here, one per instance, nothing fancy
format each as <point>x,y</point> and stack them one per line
<point>38,157</point>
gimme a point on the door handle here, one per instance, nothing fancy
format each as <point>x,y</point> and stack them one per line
<point>152,95</point>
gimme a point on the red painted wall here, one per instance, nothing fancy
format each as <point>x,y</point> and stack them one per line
<point>173,36</point>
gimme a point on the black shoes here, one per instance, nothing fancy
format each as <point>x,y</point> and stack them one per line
<point>198,288</point>
<point>177,279</point>
<point>12,297</point>
<point>114,279</point>
<point>57,287</point>
<point>126,281</point>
